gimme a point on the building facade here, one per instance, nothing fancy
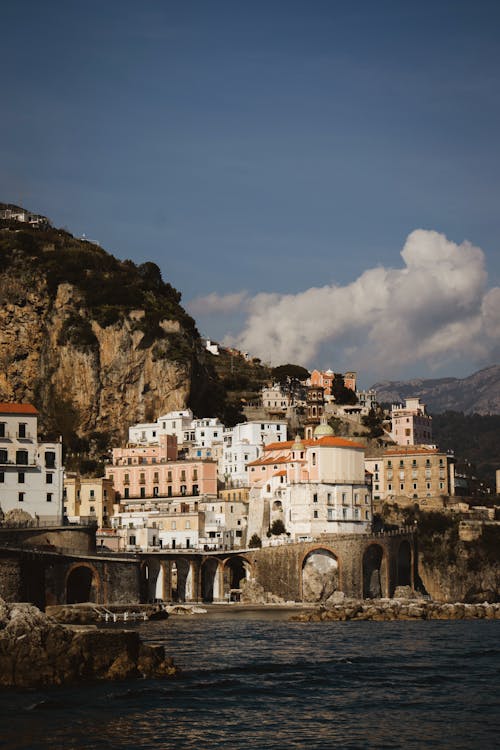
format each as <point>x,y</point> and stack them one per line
<point>411,425</point>
<point>411,474</point>
<point>31,472</point>
<point>316,487</point>
<point>88,500</point>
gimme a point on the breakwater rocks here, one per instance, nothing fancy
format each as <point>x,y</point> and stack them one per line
<point>399,609</point>
<point>37,652</point>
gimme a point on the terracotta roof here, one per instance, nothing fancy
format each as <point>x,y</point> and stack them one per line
<point>409,450</point>
<point>329,441</point>
<point>281,473</point>
<point>17,409</point>
<point>269,461</point>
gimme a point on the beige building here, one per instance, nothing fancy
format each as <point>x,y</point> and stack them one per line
<point>88,499</point>
<point>411,474</point>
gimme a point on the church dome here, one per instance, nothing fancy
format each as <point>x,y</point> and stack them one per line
<point>298,445</point>
<point>323,430</point>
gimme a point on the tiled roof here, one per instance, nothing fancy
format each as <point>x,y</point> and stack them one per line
<point>409,450</point>
<point>330,442</point>
<point>281,473</point>
<point>17,409</point>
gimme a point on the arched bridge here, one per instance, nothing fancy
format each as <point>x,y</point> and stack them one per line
<point>361,566</point>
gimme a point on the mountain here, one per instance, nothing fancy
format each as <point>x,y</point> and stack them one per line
<point>95,343</point>
<point>479,393</point>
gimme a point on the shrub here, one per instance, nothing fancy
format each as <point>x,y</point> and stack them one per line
<point>255,541</point>
<point>277,527</point>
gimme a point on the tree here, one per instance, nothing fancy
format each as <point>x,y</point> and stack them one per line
<point>373,422</point>
<point>342,394</point>
<point>284,373</point>
<point>277,527</point>
<point>255,541</point>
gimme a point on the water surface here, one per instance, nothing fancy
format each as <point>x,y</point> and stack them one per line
<point>254,679</point>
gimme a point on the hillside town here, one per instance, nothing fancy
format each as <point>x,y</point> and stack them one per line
<point>306,465</point>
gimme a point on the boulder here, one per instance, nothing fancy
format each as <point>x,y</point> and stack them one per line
<point>37,652</point>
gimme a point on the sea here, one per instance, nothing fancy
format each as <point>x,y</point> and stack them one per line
<point>255,679</point>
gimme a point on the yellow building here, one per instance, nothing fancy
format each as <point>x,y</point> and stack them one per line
<point>88,499</point>
<point>411,474</point>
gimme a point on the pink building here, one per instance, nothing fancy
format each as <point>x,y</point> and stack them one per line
<point>149,471</point>
<point>325,380</point>
<point>411,425</point>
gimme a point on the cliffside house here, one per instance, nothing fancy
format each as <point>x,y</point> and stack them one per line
<point>31,472</point>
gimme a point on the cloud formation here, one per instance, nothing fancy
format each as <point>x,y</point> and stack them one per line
<point>434,310</point>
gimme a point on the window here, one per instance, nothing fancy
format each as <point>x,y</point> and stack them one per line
<point>20,497</point>
<point>92,493</point>
<point>2,429</point>
<point>401,486</point>
<point>126,493</point>
<point>50,459</point>
<point>126,479</point>
<point>314,459</point>
<point>315,497</point>
<point>49,497</point>
<point>155,491</point>
<point>20,477</point>
<point>22,430</point>
<point>132,540</point>
<point>188,525</point>
<point>389,486</point>
<point>142,492</point>
<point>195,490</point>
<point>344,513</point>
<point>344,498</point>
<point>2,477</point>
<point>22,457</point>
<point>315,514</point>
<point>49,478</point>
<point>4,456</point>
<point>92,508</point>
<point>174,525</point>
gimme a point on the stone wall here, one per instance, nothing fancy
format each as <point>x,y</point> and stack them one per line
<point>279,570</point>
<point>77,539</point>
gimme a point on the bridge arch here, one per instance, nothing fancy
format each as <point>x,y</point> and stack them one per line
<point>235,570</point>
<point>375,578</point>
<point>319,574</point>
<point>404,559</point>
<point>182,580</point>
<point>211,580</point>
<point>82,584</point>
<point>151,580</point>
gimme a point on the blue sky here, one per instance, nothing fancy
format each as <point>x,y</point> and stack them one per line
<point>267,147</point>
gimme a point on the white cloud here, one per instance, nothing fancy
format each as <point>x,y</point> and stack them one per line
<point>433,310</point>
<point>219,303</point>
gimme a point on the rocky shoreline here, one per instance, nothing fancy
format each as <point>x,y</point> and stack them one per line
<point>37,652</point>
<point>384,610</point>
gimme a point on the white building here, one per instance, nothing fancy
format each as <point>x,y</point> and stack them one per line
<point>31,473</point>
<point>207,431</point>
<point>172,423</point>
<point>243,444</point>
<point>316,487</point>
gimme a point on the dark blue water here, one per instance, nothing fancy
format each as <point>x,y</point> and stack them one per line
<point>257,681</point>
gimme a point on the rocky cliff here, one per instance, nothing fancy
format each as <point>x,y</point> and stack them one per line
<point>93,342</point>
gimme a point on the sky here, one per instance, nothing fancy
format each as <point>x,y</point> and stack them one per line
<point>319,179</point>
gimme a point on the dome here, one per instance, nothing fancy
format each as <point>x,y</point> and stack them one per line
<point>323,429</point>
<point>298,445</point>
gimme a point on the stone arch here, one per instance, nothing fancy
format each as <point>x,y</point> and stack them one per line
<point>235,570</point>
<point>150,573</point>
<point>182,581</point>
<point>319,574</point>
<point>277,506</point>
<point>404,564</point>
<point>82,584</point>
<point>210,580</point>
<point>374,572</point>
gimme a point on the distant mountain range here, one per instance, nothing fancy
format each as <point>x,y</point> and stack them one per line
<point>479,393</point>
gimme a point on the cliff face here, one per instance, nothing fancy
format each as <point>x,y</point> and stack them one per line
<point>94,343</point>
